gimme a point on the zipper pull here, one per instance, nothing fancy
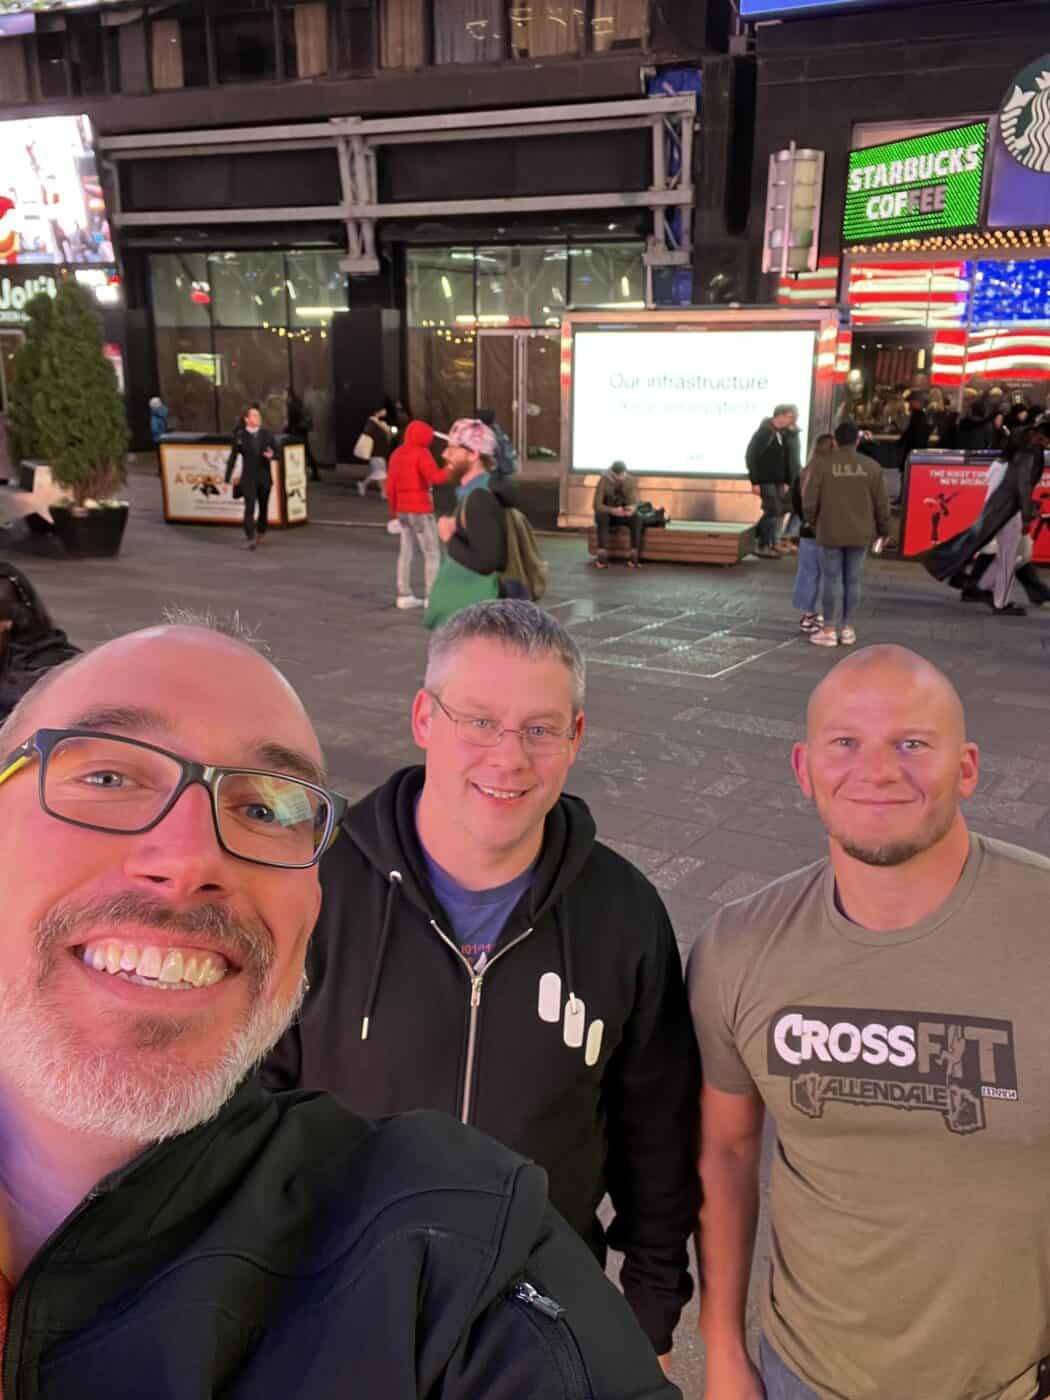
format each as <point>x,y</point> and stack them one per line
<point>525,1293</point>
<point>475,991</point>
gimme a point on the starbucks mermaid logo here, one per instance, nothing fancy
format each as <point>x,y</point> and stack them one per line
<point>1025,118</point>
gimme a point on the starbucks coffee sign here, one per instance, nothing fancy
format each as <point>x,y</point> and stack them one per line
<point>1025,118</point>
<point>923,184</point>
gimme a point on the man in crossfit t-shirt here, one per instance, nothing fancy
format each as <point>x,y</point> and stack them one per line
<point>887,1005</point>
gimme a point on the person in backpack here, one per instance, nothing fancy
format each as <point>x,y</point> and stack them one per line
<point>505,458</point>
<point>374,443</point>
<point>480,952</point>
<point>476,535</point>
<point>616,503</point>
<point>158,419</point>
<point>169,1226</point>
<point>411,473</point>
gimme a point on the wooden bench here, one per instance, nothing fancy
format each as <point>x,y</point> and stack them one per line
<point>723,542</point>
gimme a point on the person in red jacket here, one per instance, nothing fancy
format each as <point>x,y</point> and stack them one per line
<point>411,472</point>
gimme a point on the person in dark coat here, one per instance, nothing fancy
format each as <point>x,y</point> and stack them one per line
<point>193,1235</point>
<point>916,436</point>
<point>768,459</point>
<point>1009,508</point>
<point>299,424</point>
<point>30,643</point>
<point>257,447</point>
<point>974,432</point>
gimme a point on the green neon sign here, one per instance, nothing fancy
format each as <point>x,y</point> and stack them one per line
<point>921,185</point>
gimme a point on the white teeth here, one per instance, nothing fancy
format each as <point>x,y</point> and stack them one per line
<point>169,968</point>
<point>150,962</point>
<point>500,793</point>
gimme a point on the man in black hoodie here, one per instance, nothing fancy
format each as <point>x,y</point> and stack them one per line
<point>167,1227</point>
<point>479,952</point>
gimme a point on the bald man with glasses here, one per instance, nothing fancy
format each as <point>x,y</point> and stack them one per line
<point>167,1226</point>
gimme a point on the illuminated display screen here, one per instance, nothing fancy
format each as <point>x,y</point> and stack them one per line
<point>776,9</point>
<point>51,206</point>
<point>682,403</point>
<point>921,185</point>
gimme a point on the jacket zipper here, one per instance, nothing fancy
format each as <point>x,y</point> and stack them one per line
<point>476,979</point>
<point>548,1317</point>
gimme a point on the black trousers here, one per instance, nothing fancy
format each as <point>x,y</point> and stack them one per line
<point>629,522</point>
<point>256,495</point>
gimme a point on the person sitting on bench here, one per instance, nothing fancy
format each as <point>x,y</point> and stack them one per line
<point>616,503</point>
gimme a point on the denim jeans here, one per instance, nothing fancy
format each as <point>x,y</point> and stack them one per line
<point>775,502</point>
<point>780,1382</point>
<point>418,532</point>
<point>842,569</point>
<point>809,577</point>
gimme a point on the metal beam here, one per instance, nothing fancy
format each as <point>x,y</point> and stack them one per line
<point>486,133</point>
<point>166,217</point>
<point>425,126</point>
<point>524,204</point>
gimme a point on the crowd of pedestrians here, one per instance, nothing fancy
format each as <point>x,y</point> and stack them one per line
<point>460,945</point>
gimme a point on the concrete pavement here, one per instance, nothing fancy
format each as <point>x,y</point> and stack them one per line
<point>698,681</point>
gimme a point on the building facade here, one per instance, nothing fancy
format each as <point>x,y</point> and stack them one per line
<point>371,199</point>
<point>935,233</point>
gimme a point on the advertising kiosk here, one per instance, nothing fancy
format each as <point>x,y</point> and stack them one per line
<point>677,395</point>
<point>944,493</point>
<point>193,481</point>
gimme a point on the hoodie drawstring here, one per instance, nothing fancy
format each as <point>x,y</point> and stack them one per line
<point>377,971</point>
<point>561,918</point>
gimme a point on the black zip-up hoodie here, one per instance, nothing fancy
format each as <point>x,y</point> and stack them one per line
<point>289,1250</point>
<point>574,1045</point>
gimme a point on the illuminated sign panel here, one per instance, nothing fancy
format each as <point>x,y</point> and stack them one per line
<point>778,9</point>
<point>921,185</point>
<point>684,403</point>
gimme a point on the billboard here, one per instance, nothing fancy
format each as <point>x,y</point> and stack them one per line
<point>51,205</point>
<point>683,402</point>
<point>924,184</point>
<point>780,9</point>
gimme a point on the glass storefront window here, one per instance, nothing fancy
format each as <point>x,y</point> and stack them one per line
<point>245,46</point>
<point>545,28</point>
<point>317,290</point>
<point>521,286</point>
<point>469,31</point>
<point>616,24</point>
<point>607,274</point>
<point>181,289</point>
<point>255,370</point>
<point>304,29</point>
<point>440,286</point>
<point>248,289</point>
<point>178,45</point>
<point>403,34</point>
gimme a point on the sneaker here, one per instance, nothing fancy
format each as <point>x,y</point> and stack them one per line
<point>409,600</point>
<point>826,637</point>
<point>767,552</point>
<point>249,544</point>
<point>1011,610</point>
<point>809,622</point>
<point>847,636</point>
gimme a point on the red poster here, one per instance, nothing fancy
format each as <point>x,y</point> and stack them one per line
<point>943,500</point>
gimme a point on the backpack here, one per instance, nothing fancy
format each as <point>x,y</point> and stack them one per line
<point>526,567</point>
<point>506,458</point>
<point>651,516</point>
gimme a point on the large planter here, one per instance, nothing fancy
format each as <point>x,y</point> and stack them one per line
<point>95,533</point>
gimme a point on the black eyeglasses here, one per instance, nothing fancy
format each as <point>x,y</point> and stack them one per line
<point>104,782</point>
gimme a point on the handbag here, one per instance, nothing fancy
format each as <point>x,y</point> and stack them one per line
<point>456,588</point>
<point>365,447</point>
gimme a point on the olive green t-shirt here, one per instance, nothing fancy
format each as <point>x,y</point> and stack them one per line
<point>908,1073</point>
